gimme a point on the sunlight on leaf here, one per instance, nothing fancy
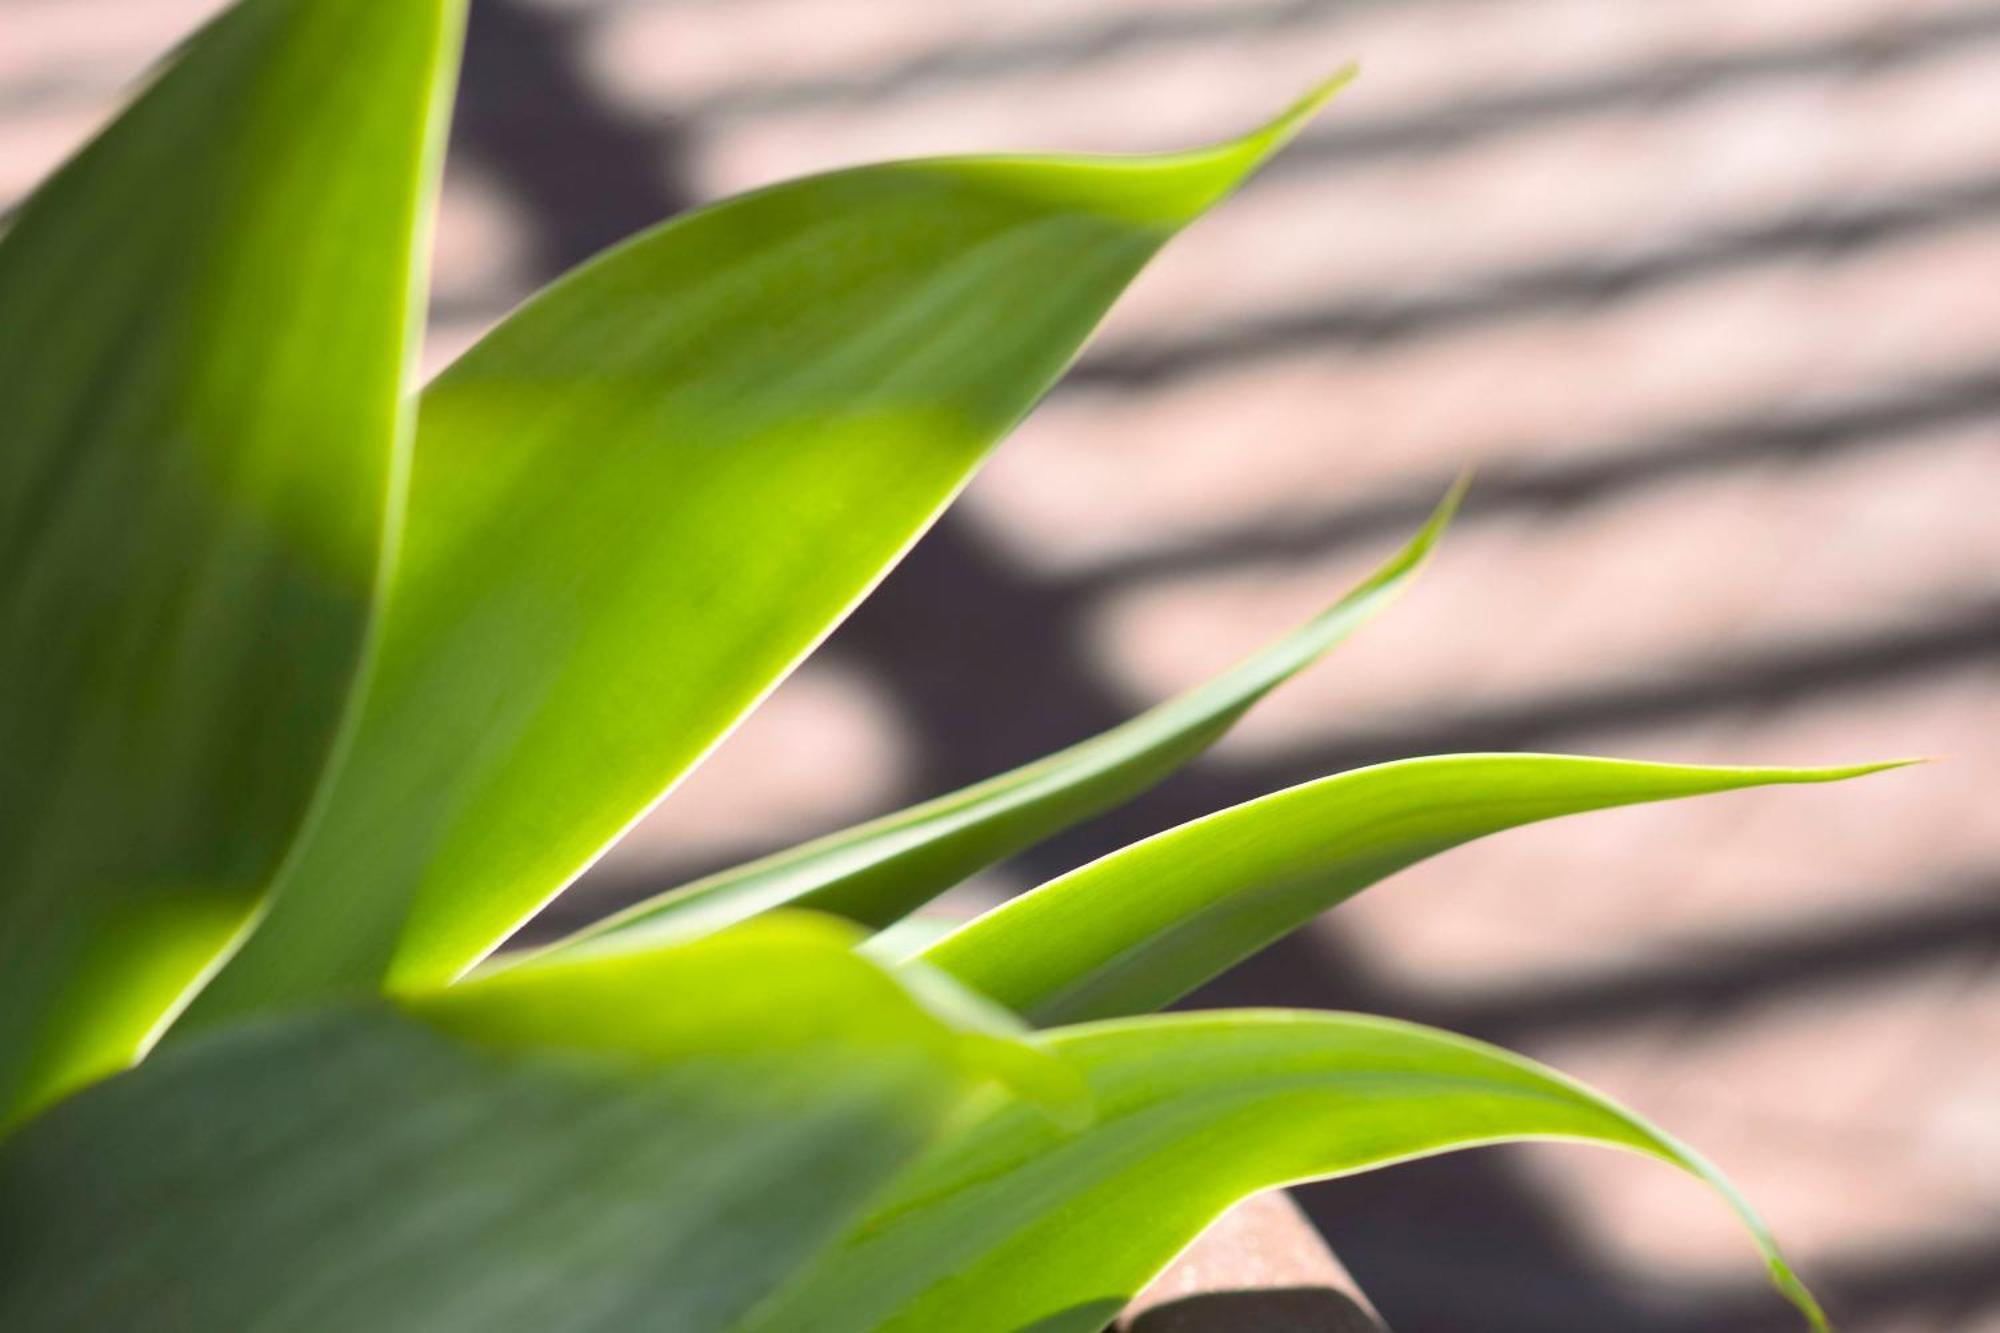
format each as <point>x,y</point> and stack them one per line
<point>1138,929</point>
<point>205,322</point>
<point>1012,1220</point>
<point>878,872</point>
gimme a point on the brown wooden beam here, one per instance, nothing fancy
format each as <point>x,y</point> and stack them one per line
<point>1261,1268</point>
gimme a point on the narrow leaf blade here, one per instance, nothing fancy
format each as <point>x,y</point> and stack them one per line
<point>638,503</point>
<point>205,319</point>
<point>878,872</point>
<point>1011,1223</point>
<point>1136,930</point>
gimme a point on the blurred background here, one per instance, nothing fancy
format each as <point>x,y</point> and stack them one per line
<point>1709,291</point>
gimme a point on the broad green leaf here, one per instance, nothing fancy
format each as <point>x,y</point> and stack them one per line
<point>205,320</point>
<point>651,1139</point>
<point>1010,1223</point>
<point>878,872</point>
<point>1138,929</point>
<point>638,503</point>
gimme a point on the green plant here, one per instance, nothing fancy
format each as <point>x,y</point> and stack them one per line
<point>317,689</point>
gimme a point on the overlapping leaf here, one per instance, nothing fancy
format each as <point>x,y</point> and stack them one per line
<point>204,324</point>
<point>645,1139</point>
<point>1136,930</point>
<point>631,510</point>
<point>878,872</point>
<point>640,501</point>
<point>1013,1224</point>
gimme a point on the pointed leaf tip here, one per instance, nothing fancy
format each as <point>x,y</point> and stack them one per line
<point>1844,772</point>
<point>1442,515</point>
<point>879,872</point>
<point>1194,1113</point>
<point>1211,174</point>
<point>1139,928</point>
<point>1285,127</point>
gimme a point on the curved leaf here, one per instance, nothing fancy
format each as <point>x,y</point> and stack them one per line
<point>1136,930</point>
<point>639,1140</point>
<point>639,502</point>
<point>1011,1223</point>
<point>204,324</point>
<point>878,872</point>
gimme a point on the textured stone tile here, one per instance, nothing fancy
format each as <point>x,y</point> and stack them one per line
<point>1416,56</point>
<point>1314,431</point>
<point>1621,186</point>
<point>1802,1104</point>
<point>1674,582</point>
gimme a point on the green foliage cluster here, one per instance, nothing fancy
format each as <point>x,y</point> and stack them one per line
<point>317,687</point>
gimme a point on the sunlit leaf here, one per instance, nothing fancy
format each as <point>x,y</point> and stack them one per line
<point>650,1139</point>
<point>880,871</point>
<point>1139,928</point>
<point>639,502</point>
<point>1012,1223</point>
<point>204,324</point>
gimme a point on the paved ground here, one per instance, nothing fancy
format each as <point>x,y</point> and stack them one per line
<point>1711,293</point>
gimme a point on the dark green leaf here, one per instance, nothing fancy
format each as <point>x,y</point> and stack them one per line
<point>205,320</point>
<point>627,1140</point>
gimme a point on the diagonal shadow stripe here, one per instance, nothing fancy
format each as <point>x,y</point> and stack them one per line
<point>1828,230</point>
<point>1514,1265</point>
<point>1880,416</point>
<point>1392,1246</point>
<point>1053,50</point>
<point>1777,675</point>
<point>1781,675</point>
<point>1061,47</point>
<point>1476,115</point>
<point>1959,919</point>
<point>1951,1281</point>
<point>1482,115</point>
